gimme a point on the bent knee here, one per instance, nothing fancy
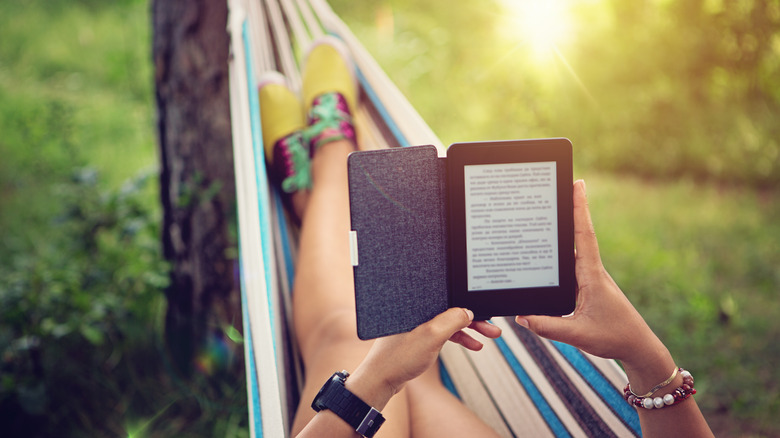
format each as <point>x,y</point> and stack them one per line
<point>337,328</point>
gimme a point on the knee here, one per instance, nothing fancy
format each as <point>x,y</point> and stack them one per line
<point>337,328</point>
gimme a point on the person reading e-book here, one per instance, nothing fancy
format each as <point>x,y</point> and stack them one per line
<point>394,377</point>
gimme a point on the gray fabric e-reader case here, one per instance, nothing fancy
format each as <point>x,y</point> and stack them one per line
<point>401,239</point>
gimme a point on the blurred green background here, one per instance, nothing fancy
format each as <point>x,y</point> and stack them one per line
<point>81,269</point>
<point>672,108</point>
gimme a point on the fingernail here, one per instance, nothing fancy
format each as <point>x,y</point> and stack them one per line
<point>522,321</point>
<point>470,314</point>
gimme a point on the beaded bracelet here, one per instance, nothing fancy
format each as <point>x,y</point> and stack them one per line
<point>680,394</point>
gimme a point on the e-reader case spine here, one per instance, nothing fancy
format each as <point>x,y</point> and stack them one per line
<point>399,238</point>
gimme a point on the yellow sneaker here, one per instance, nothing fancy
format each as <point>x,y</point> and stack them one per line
<point>329,92</point>
<point>282,119</point>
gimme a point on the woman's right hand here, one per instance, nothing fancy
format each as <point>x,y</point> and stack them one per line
<point>604,322</point>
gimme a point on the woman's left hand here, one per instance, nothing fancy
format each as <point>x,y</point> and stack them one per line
<point>397,359</point>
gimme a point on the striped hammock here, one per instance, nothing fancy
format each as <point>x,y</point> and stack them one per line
<point>520,384</point>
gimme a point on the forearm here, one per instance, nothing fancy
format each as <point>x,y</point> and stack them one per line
<point>683,419</point>
<point>368,386</point>
<point>680,420</point>
<point>326,423</point>
<point>395,360</point>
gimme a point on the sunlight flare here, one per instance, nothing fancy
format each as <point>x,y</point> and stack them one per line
<point>540,25</point>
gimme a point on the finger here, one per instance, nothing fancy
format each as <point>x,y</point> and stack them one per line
<point>584,235</point>
<point>486,329</point>
<point>464,339</point>
<point>550,327</point>
<point>450,321</point>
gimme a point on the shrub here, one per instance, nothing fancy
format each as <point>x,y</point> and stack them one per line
<point>70,308</point>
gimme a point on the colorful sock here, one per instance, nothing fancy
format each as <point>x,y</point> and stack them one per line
<point>329,119</point>
<point>291,166</point>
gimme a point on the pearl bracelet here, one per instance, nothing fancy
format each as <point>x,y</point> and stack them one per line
<point>680,394</point>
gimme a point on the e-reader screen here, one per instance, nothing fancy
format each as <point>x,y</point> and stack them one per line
<point>511,225</point>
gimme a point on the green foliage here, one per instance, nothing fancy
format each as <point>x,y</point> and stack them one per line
<point>653,88</point>
<point>81,269</point>
<point>679,90</point>
<point>99,266</point>
<point>90,288</point>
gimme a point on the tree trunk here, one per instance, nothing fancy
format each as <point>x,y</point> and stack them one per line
<point>190,49</point>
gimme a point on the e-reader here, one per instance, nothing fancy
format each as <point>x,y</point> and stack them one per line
<point>511,227</point>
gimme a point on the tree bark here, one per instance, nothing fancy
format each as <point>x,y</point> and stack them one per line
<point>190,50</point>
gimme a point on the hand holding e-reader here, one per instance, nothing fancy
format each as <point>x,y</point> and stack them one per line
<point>488,228</point>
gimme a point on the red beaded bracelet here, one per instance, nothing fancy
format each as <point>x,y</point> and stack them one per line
<point>680,394</point>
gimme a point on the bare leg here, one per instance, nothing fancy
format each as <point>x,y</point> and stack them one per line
<point>300,200</point>
<point>323,297</point>
<point>324,314</point>
<point>435,412</point>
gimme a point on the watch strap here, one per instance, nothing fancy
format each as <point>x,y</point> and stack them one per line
<point>336,397</point>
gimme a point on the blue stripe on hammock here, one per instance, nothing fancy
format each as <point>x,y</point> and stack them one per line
<point>253,384</point>
<point>264,213</point>
<point>446,379</point>
<point>601,385</point>
<point>263,200</point>
<point>286,251</point>
<point>553,422</point>
<point>380,107</point>
<point>254,390</point>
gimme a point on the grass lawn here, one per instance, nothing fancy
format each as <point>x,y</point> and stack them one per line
<point>75,90</point>
<point>700,264</point>
<point>698,260</point>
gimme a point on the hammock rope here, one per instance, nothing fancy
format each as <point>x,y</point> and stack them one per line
<point>519,384</point>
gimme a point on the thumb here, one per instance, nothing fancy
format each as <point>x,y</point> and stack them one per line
<point>450,322</point>
<point>584,234</point>
<point>551,327</point>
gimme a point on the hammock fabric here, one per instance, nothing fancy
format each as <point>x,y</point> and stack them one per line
<point>520,384</point>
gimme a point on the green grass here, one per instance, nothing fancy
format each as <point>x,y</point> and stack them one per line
<point>79,73</point>
<point>75,89</point>
<point>700,263</point>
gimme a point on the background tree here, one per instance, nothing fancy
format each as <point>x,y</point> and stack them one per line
<point>190,50</point>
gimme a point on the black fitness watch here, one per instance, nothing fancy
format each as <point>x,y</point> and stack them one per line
<point>337,398</point>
